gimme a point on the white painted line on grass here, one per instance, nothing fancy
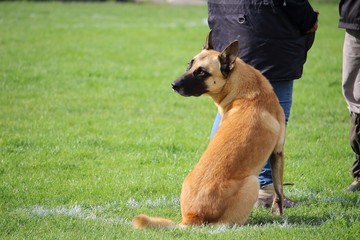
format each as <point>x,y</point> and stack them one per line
<point>162,201</point>
<point>120,25</point>
<point>98,212</point>
<point>75,211</point>
<point>105,212</point>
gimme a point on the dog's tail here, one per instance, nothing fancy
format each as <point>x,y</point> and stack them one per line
<point>143,221</point>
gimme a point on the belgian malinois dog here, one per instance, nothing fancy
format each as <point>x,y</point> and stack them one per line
<point>223,186</point>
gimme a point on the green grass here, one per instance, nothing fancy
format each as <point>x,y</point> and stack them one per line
<point>91,133</point>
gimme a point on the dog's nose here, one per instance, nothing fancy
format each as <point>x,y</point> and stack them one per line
<point>174,86</point>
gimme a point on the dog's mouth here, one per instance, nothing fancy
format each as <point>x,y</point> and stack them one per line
<point>182,91</point>
<point>179,90</point>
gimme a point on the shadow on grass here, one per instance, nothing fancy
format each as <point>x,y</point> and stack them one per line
<point>300,217</point>
<point>287,220</point>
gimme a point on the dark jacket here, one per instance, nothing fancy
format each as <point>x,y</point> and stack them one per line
<point>272,34</point>
<point>349,11</point>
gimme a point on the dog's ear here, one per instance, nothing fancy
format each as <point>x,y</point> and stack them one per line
<point>208,43</point>
<point>227,58</point>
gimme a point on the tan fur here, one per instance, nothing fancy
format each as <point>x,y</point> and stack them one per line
<point>142,221</point>
<point>223,187</point>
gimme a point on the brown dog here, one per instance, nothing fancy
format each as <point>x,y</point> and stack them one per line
<point>223,186</point>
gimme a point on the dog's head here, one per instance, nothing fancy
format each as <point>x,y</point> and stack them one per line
<point>208,71</point>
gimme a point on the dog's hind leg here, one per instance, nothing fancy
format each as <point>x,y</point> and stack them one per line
<point>240,204</point>
<point>277,169</point>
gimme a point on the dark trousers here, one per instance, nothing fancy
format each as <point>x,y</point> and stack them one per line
<point>355,143</point>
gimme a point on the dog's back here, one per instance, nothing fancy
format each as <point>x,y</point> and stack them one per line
<point>250,130</point>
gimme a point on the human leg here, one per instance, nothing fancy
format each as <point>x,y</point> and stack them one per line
<point>350,73</point>
<point>355,145</point>
<point>351,92</point>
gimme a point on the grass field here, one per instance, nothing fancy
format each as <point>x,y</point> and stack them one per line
<point>91,133</point>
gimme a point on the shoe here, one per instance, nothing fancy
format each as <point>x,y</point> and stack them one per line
<point>355,185</point>
<point>265,198</point>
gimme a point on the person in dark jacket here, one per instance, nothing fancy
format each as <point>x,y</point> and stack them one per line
<point>349,11</point>
<point>274,37</point>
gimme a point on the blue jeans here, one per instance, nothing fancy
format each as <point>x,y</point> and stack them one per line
<point>283,90</point>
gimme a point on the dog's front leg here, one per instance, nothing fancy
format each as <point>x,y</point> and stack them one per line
<point>277,169</point>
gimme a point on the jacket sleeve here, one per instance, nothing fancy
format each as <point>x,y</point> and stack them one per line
<point>300,13</point>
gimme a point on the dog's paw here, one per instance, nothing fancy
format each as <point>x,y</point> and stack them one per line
<point>277,209</point>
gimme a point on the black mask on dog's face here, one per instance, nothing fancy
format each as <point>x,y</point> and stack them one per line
<point>192,83</point>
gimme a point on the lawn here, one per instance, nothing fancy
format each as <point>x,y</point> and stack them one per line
<point>91,133</point>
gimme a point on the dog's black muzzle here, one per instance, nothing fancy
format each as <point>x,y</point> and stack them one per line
<point>187,85</point>
<point>176,86</point>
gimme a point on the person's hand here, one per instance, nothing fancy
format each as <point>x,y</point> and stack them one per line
<point>315,27</point>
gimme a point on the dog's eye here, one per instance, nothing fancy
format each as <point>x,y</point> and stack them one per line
<point>201,73</point>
